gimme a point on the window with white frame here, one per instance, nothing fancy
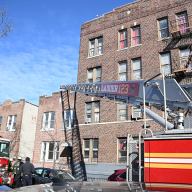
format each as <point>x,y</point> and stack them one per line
<point>182,22</point>
<point>122,112</point>
<point>48,120</point>
<point>184,55</point>
<point>122,150</point>
<point>49,151</point>
<point>136,68</point>
<point>92,112</point>
<point>69,117</point>
<point>136,113</point>
<point>1,120</point>
<point>123,39</point>
<point>135,35</point>
<point>163,28</point>
<point>11,122</point>
<point>123,71</point>
<point>96,46</point>
<point>90,150</point>
<point>94,75</point>
<point>165,60</point>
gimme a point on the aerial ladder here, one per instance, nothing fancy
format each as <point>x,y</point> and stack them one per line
<point>165,153</point>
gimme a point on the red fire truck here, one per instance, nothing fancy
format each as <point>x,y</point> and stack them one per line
<point>165,159</point>
<point>6,175</point>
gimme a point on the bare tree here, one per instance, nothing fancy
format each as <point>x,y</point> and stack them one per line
<point>5,26</point>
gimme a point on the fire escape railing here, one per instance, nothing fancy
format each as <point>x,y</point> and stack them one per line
<point>181,26</point>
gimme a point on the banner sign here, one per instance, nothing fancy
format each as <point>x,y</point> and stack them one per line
<point>124,88</point>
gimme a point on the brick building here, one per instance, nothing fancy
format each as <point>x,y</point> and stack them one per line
<point>50,135</point>
<point>18,124</point>
<point>135,41</point>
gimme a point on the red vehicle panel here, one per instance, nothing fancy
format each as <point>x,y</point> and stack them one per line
<point>168,164</point>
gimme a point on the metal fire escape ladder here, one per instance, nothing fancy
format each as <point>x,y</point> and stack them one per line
<point>72,150</point>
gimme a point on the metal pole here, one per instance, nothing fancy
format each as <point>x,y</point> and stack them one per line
<point>127,170</point>
<point>140,166</point>
<point>165,100</point>
<point>144,107</point>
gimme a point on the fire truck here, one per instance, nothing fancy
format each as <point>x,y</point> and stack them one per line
<point>6,175</point>
<point>165,158</point>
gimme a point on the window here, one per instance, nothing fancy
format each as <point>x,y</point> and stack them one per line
<point>123,71</point>
<point>90,150</point>
<point>163,28</point>
<point>122,150</point>
<point>92,112</point>
<point>182,22</point>
<point>48,120</point>
<point>1,119</point>
<point>136,113</point>
<point>95,46</point>
<point>165,61</point>
<point>135,36</point>
<point>184,55</point>
<point>49,151</point>
<point>4,148</point>
<point>123,39</point>
<point>11,122</point>
<point>68,117</point>
<point>136,68</point>
<point>122,112</point>
<point>94,75</point>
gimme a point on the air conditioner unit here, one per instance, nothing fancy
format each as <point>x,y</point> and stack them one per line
<point>88,120</point>
<point>136,115</point>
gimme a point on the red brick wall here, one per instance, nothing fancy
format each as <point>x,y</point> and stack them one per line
<point>145,13</point>
<point>12,108</point>
<point>47,104</point>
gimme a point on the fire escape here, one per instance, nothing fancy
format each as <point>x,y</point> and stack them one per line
<point>73,146</point>
<point>181,37</point>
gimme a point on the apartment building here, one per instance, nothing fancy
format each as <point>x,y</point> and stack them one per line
<point>18,124</point>
<point>135,41</point>
<point>50,139</point>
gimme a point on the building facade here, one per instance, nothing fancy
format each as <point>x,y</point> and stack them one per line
<point>50,133</point>
<point>135,41</point>
<point>18,124</point>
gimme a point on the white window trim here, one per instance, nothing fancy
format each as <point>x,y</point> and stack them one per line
<point>177,19</point>
<point>94,74</point>
<point>46,145</point>
<point>140,69</point>
<point>119,40</point>
<point>139,44</point>
<point>124,72</point>
<point>134,116</point>
<point>118,149</point>
<point>161,64</point>
<point>49,121</point>
<point>71,119</point>
<point>91,150</point>
<point>96,47</point>
<point>13,122</point>
<point>183,58</point>
<point>159,30</point>
<point>119,108</point>
<point>93,112</point>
